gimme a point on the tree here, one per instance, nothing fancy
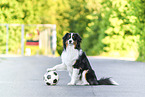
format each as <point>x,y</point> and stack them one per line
<point>22,12</point>
<point>140,13</point>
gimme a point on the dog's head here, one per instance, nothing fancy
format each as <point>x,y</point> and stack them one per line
<point>70,39</point>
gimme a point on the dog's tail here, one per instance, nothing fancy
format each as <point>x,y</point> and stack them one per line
<point>107,81</point>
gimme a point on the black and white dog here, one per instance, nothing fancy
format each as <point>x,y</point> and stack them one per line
<point>75,61</point>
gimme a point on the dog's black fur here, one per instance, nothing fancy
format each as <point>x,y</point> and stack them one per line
<point>83,64</point>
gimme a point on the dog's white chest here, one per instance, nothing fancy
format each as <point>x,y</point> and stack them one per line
<point>70,55</point>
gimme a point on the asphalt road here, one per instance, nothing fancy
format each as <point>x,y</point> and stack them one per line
<point>23,77</point>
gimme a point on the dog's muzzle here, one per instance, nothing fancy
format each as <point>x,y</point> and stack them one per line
<point>70,41</point>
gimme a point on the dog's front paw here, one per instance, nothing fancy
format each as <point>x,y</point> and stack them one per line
<point>79,83</point>
<point>70,84</point>
<point>49,69</point>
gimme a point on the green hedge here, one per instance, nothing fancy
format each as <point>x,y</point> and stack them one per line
<point>107,27</point>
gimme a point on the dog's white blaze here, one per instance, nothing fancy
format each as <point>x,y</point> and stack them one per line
<point>72,41</point>
<point>71,36</point>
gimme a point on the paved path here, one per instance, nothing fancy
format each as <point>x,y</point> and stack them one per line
<point>23,77</point>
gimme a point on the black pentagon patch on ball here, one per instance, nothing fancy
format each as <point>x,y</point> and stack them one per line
<point>55,81</point>
<point>48,76</point>
<point>55,73</point>
<point>48,83</point>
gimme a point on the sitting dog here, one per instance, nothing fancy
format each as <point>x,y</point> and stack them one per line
<point>75,61</point>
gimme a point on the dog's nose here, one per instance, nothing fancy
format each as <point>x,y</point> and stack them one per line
<point>70,41</point>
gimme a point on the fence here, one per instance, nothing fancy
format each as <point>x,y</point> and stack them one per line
<point>14,36</point>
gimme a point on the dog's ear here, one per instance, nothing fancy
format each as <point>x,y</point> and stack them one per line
<point>64,40</point>
<point>79,39</point>
<point>65,36</point>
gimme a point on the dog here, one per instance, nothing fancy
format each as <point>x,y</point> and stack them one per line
<point>75,61</point>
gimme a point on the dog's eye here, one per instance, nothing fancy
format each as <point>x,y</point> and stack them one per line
<point>74,37</point>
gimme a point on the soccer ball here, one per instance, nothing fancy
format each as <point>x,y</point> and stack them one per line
<point>51,78</point>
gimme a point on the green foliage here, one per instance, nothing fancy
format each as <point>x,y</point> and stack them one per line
<point>22,12</point>
<point>107,27</point>
<point>140,13</point>
<point>121,32</point>
<point>113,29</point>
<point>2,39</point>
